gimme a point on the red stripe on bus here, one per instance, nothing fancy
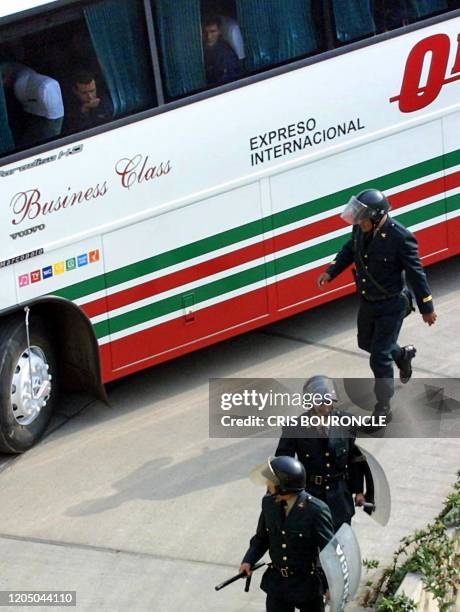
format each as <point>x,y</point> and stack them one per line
<point>175,279</point>
<point>427,190</point>
<point>238,257</point>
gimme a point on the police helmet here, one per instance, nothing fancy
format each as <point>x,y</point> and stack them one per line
<point>286,473</point>
<point>322,385</point>
<point>369,204</point>
<point>290,474</point>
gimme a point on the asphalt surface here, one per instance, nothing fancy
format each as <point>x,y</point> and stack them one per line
<point>136,508</point>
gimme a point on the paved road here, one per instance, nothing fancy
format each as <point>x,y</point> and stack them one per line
<point>136,508</point>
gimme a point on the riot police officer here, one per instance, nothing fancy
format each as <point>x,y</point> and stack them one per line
<point>384,253</point>
<point>335,467</point>
<point>293,526</point>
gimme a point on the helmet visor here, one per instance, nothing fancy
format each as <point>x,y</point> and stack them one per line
<point>355,211</point>
<point>263,473</point>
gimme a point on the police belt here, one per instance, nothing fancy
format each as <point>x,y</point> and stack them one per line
<point>293,571</point>
<point>324,480</point>
<point>379,298</point>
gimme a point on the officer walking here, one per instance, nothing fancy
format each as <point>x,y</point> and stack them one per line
<point>383,251</point>
<point>335,467</point>
<point>293,527</point>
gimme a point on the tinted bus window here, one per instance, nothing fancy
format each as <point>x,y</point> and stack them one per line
<point>73,70</point>
<point>358,19</point>
<point>204,43</point>
<point>354,20</point>
<point>392,14</point>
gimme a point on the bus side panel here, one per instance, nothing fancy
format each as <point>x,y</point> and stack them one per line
<point>8,287</point>
<point>451,126</point>
<point>307,203</point>
<point>185,275</point>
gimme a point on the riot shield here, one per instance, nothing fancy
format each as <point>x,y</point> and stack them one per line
<point>341,562</point>
<point>377,488</point>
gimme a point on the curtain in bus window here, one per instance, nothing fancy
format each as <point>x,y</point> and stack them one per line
<point>353,19</point>
<point>6,138</point>
<point>294,29</point>
<point>425,8</point>
<point>117,31</point>
<point>179,26</point>
<point>254,17</point>
<point>275,31</point>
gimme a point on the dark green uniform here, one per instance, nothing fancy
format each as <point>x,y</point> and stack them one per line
<point>334,467</point>
<point>294,542</point>
<point>385,257</point>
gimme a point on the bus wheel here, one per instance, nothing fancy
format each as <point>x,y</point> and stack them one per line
<point>27,384</point>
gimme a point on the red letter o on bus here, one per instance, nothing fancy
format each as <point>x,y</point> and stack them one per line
<point>413,97</point>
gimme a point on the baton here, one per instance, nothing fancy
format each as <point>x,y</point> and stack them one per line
<point>248,584</point>
<point>368,505</point>
<point>238,577</point>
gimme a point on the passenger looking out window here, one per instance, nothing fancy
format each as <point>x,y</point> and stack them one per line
<point>221,63</point>
<point>88,108</point>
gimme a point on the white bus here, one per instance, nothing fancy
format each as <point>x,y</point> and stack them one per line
<point>172,173</point>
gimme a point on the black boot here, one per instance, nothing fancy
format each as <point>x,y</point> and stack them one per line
<point>405,363</point>
<point>383,409</point>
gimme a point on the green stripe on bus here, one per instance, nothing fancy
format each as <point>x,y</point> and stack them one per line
<point>424,213</point>
<point>79,290</point>
<point>219,287</point>
<point>453,203</point>
<point>254,228</point>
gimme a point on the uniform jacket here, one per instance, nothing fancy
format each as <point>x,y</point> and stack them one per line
<point>293,543</point>
<point>334,463</point>
<point>392,252</point>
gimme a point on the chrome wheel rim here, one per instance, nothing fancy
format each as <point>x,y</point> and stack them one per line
<point>31,386</point>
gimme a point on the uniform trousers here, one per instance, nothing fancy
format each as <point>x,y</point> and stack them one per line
<point>274,604</point>
<point>379,324</point>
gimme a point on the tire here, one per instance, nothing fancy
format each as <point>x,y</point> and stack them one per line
<point>23,421</point>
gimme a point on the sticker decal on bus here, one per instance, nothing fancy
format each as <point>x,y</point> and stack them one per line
<point>58,268</point>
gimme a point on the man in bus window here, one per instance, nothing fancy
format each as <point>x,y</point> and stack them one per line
<point>385,253</point>
<point>87,108</point>
<point>221,63</point>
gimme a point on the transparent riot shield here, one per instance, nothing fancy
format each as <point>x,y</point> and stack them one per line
<point>341,562</point>
<point>381,489</point>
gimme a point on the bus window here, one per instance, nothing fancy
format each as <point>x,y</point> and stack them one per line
<point>392,14</point>
<point>204,43</point>
<point>179,33</point>
<point>71,70</point>
<point>354,20</point>
<point>277,31</point>
<point>421,9</point>
<point>6,136</point>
